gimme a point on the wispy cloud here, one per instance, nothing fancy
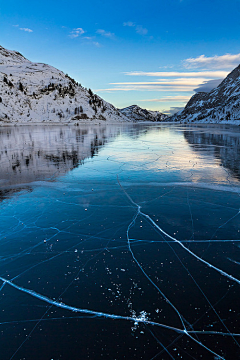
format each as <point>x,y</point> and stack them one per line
<point>180,85</point>
<point>173,81</point>
<point>129,23</point>
<point>138,28</point>
<point>207,74</point>
<point>179,81</point>
<point>76,33</point>
<point>23,29</point>
<point>26,29</point>
<point>148,87</point>
<point>88,37</point>
<point>141,30</point>
<point>105,33</point>
<point>172,84</point>
<point>227,61</point>
<point>91,40</point>
<point>179,98</point>
<point>96,44</point>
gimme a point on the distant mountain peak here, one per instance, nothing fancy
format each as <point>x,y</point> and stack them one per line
<point>136,113</point>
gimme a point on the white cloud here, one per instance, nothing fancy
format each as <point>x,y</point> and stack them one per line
<point>129,23</point>
<point>182,83</point>
<point>166,82</point>
<point>91,40</point>
<point>26,29</point>
<point>97,44</point>
<point>138,28</point>
<point>207,74</point>
<point>149,87</point>
<point>141,30</point>
<point>228,61</point>
<point>179,98</point>
<point>89,37</point>
<point>76,33</point>
<point>107,34</point>
<point>174,80</point>
<point>23,29</point>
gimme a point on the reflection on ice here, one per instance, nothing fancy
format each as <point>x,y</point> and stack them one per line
<point>31,153</point>
<point>134,253</point>
<point>224,145</point>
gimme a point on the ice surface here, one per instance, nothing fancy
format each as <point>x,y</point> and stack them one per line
<point>120,242</point>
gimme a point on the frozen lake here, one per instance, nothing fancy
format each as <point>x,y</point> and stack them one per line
<point>120,242</point>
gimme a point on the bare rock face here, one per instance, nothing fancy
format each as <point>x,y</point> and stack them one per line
<point>135,113</point>
<point>37,93</point>
<point>221,105</point>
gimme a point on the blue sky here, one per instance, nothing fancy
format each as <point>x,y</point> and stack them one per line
<point>150,53</point>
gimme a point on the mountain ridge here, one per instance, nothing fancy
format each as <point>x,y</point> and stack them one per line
<point>220,105</point>
<point>136,113</point>
<point>37,93</point>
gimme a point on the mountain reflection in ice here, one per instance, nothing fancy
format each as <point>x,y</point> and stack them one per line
<point>123,243</point>
<point>225,145</point>
<point>33,153</point>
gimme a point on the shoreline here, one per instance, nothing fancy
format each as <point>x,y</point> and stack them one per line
<point>98,122</point>
<point>130,122</point>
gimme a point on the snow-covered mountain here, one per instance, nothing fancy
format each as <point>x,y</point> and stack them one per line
<point>222,104</point>
<point>35,92</point>
<point>135,113</point>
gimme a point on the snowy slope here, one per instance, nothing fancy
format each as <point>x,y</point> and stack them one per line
<point>35,92</point>
<point>222,104</point>
<point>136,113</point>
